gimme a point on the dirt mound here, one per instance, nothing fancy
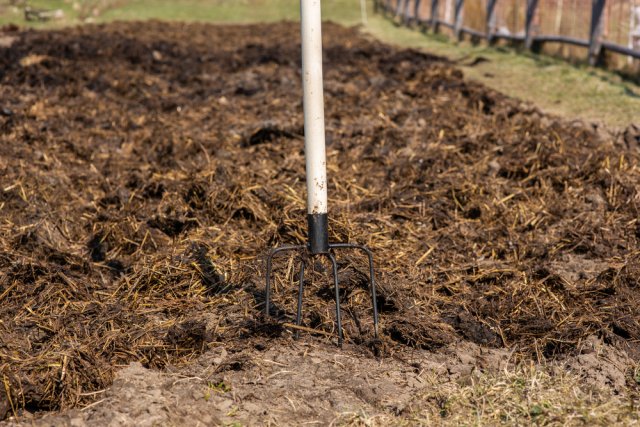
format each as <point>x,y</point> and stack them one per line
<point>213,391</point>
<point>146,168</point>
<point>302,382</point>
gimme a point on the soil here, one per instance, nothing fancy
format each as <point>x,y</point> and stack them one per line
<point>147,168</point>
<point>282,385</point>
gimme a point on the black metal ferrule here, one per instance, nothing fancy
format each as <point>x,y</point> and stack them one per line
<point>318,233</point>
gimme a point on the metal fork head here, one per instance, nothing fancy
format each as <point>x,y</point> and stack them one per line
<point>306,254</point>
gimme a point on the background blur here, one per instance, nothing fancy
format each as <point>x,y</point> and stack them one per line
<point>569,88</point>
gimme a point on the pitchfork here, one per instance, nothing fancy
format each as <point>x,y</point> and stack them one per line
<point>315,154</point>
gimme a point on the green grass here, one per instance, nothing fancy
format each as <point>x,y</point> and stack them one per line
<point>242,11</point>
<point>553,85</point>
<point>201,10</point>
<point>221,11</point>
<point>15,15</point>
<point>556,86</point>
<point>189,10</point>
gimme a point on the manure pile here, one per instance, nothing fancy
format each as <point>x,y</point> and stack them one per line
<point>145,169</point>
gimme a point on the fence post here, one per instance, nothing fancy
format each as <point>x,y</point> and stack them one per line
<point>595,32</point>
<point>457,24</point>
<point>434,15</point>
<point>416,12</point>
<point>531,13</point>
<point>406,19</point>
<point>399,8</point>
<point>363,11</point>
<point>491,19</point>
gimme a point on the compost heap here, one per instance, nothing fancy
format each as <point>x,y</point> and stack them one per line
<point>146,169</point>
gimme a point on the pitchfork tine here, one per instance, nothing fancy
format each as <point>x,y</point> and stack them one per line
<point>337,288</point>
<point>273,253</point>
<point>372,280</point>
<point>300,293</point>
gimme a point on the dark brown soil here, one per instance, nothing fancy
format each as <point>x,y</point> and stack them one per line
<point>146,169</point>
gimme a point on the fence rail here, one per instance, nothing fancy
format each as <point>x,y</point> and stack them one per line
<point>410,12</point>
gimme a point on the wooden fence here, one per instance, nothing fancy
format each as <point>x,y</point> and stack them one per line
<point>428,14</point>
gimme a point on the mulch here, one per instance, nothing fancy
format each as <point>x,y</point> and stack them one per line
<point>147,168</point>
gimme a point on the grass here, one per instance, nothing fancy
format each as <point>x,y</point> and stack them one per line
<point>555,86</point>
<point>10,14</point>
<point>243,11</point>
<point>221,11</point>
<point>535,395</point>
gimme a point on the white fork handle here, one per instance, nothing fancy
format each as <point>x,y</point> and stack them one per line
<point>314,143</point>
